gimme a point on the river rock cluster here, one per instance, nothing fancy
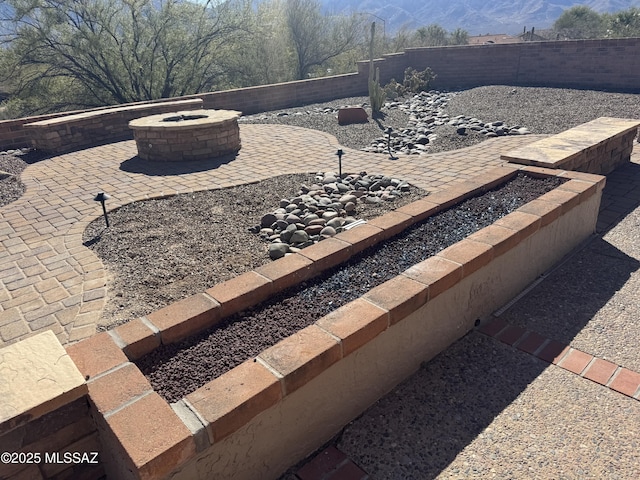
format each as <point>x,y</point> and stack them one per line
<point>323,209</point>
<point>427,112</point>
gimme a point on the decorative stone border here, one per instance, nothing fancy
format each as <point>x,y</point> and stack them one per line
<point>266,414</point>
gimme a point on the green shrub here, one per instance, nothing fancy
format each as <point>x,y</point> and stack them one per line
<point>414,82</point>
<point>417,82</point>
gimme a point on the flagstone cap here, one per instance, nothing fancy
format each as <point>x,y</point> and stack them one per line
<point>36,377</point>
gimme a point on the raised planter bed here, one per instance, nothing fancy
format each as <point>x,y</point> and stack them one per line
<point>177,369</point>
<point>273,410</point>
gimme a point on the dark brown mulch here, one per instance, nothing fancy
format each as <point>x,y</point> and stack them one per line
<point>178,369</point>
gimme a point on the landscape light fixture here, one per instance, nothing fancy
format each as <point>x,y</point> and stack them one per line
<point>339,153</point>
<point>102,198</point>
<point>388,131</point>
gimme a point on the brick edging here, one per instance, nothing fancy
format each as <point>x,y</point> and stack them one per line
<point>596,369</point>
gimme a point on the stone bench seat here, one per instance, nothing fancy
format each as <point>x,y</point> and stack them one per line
<point>81,130</point>
<point>599,146</point>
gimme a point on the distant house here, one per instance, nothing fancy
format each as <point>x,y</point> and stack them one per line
<point>531,36</point>
<point>495,38</point>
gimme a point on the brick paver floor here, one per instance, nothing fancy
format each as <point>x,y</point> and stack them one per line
<point>51,281</point>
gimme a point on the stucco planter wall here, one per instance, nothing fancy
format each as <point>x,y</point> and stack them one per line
<point>271,411</point>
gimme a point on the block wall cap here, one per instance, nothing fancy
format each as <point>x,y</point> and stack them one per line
<point>37,376</point>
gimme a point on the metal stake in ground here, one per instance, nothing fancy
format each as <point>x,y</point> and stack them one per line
<point>102,198</point>
<point>339,153</point>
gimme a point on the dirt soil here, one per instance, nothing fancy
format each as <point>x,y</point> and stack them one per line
<point>179,369</point>
<point>160,251</point>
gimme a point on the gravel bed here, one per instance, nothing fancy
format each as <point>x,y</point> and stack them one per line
<point>539,109</point>
<point>543,110</point>
<point>176,370</point>
<point>11,188</point>
<point>323,117</point>
<point>156,256</point>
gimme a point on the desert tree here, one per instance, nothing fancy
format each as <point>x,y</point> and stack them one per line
<point>625,23</point>
<point>403,38</point>
<point>431,36</point>
<point>459,37</point>
<point>117,51</point>
<point>579,22</point>
<point>317,38</point>
<point>263,54</point>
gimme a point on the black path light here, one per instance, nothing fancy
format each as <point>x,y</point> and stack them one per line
<point>102,198</point>
<point>388,131</point>
<point>339,153</point>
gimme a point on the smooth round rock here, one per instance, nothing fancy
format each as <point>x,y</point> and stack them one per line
<point>328,231</point>
<point>299,236</point>
<point>348,198</point>
<point>278,250</point>
<point>329,215</point>
<point>335,222</point>
<point>309,218</point>
<point>281,225</point>
<point>314,230</point>
<point>318,221</point>
<point>267,220</point>
<point>293,219</point>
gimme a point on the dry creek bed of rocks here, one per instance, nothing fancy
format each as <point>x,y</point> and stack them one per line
<point>177,369</point>
<point>325,208</point>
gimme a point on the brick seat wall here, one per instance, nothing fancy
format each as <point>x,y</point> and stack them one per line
<point>599,146</point>
<point>81,130</point>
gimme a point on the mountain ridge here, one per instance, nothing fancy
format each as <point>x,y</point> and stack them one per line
<point>476,16</point>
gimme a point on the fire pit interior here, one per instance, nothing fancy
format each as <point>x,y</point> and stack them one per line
<point>189,135</point>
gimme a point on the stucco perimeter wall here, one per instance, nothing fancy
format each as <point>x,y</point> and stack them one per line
<point>591,64</point>
<point>293,428</point>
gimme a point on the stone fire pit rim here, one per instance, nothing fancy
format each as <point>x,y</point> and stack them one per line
<point>158,122</point>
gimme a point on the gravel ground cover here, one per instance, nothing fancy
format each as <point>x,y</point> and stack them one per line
<point>11,188</point>
<point>541,110</point>
<point>159,251</point>
<point>178,369</point>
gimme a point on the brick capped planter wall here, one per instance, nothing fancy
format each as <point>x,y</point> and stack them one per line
<point>81,130</point>
<point>599,146</point>
<point>46,427</point>
<point>591,64</point>
<point>304,389</point>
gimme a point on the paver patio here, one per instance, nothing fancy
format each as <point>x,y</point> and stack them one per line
<point>51,281</point>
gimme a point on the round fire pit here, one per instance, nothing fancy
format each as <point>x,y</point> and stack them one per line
<point>189,135</point>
